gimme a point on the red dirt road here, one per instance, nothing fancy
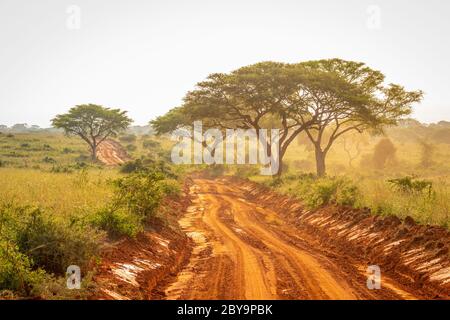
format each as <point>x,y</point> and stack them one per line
<point>245,251</point>
<point>112,153</point>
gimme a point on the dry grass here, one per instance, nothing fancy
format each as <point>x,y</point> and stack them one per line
<point>375,192</point>
<point>61,194</point>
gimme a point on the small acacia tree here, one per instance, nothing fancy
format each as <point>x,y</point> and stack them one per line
<point>427,150</point>
<point>92,123</point>
<point>353,146</point>
<point>383,153</point>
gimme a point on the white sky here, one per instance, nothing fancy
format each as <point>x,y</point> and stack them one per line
<point>143,56</point>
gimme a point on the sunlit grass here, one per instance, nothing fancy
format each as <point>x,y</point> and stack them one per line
<point>61,194</point>
<point>382,198</point>
<point>374,190</point>
<point>41,150</point>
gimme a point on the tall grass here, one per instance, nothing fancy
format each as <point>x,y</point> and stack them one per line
<point>49,221</point>
<point>367,192</point>
<point>41,150</point>
<point>382,198</point>
<point>64,194</point>
<point>44,227</point>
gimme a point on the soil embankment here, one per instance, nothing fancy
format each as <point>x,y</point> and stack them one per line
<point>416,256</point>
<point>132,268</point>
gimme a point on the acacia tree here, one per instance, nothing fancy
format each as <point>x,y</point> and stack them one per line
<point>349,96</point>
<point>357,140</point>
<point>92,123</point>
<point>181,118</point>
<point>246,98</point>
<point>325,98</point>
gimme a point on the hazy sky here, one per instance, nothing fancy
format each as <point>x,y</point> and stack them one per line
<point>143,56</point>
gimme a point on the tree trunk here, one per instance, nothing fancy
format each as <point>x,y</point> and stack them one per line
<point>280,160</point>
<point>94,153</point>
<point>280,169</point>
<point>320,161</point>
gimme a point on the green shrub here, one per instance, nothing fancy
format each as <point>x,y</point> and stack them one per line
<point>275,182</point>
<point>48,160</point>
<point>132,166</point>
<point>151,144</point>
<point>69,168</point>
<point>410,184</point>
<point>136,198</point>
<point>347,193</point>
<point>82,158</point>
<point>162,167</point>
<point>128,138</point>
<point>67,151</point>
<point>321,193</point>
<point>148,165</point>
<point>61,169</point>
<point>383,208</point>
<point>117,222</point>
<point>80,165</point>
<point>51,244</point>
<point>16,272</point>
<point>140,193</point>
<point>170,187</point>
<point>318,192</point>
<point>131,147</point>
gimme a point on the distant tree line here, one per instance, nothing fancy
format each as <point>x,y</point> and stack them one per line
<point>20,127</point>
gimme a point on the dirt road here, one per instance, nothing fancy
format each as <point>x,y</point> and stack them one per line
<point>112,153</point>
<point>245,251</point>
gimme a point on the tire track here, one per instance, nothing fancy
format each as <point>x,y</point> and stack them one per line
<point>244,251</point>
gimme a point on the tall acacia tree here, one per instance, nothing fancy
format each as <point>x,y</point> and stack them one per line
<point>181,118</point>
<point>246,98</point>
<point>325,99</point>
<point>92,123</point>
<point>349,96</point>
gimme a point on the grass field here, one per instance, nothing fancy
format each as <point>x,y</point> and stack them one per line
<point>33,167</point>
<point>57,208</point>
<point>63,194</point>
<point>41,150</point>
<point>373,189</point>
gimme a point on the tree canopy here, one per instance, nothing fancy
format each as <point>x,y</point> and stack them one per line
<point>250,97</point>
<point>349,96</point>
<point>323,98</point>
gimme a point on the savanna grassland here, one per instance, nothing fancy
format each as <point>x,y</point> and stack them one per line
<point>382,172</point>
<point>57,208</point>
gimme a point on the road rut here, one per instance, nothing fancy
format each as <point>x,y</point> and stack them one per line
<point>245,251</point>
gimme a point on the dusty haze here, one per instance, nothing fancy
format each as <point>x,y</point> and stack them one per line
<point>143,56</point>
